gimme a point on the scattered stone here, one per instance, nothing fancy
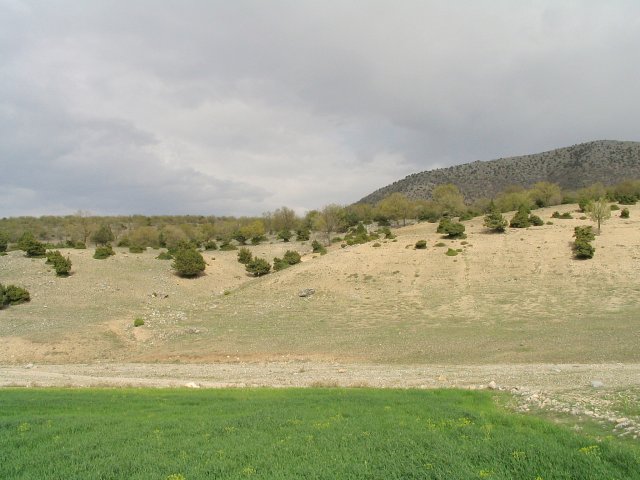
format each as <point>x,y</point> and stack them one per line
<point>597,384</point>
<point>342,370</point>
<point>492,385</point>
<point>192,330</point>
<point>28,365</point>
<point>306,292</point>
<point>192,385</point>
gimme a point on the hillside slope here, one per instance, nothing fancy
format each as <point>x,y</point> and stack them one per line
<point>518,297</point>
<point>572,167</point>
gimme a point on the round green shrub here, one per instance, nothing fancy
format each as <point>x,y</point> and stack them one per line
<point>227,247</point>
<point>138,322</point>
<point>258,267</point>
<point>188,262</point>
<point>318,247</point>
<point>103,252</point>
<point>376,245</point>
<point>440,244</point>
<point>62,266</point>
<point>136,249</point>
<point>292,257</point>
<point>13,295</point>
<point>614,207</point>
<point>164,256</point>
<point>624,213</point>
<point>421,244</point>
<point>451,252</point>
<point>536,221</point>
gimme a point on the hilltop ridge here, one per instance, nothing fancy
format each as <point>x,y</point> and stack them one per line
<point>577,166</point>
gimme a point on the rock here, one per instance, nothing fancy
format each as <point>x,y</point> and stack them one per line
<point>306,292</point>
<point>192,385</point>
<point>492,385</point>
<point>597,384</point>
<point>28,365</point>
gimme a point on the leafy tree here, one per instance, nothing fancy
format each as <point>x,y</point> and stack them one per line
<point>188,262</point>
<point>599,211</point>
<point>170,237</point>
<point>103,235</point>
<point>285,235</point>
<point>449,199</point>
<point>545,194</point>
<point>329,220</point>
<point>283,219</point>
<point>521,218</point>
<point>494,220</point>
<point>303,234</point>
<point>258,267</point>
<point>396,207</point>
<point>244,256</point>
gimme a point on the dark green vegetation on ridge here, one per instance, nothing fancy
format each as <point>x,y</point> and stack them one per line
<point>574,167</point>
<point>289,433</point>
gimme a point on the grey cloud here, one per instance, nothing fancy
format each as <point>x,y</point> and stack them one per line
<point>240,107</point>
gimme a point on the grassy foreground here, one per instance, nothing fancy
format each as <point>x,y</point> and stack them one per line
<point>290,433</point>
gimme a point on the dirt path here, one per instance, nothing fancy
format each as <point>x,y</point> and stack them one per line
<point>548,377</point>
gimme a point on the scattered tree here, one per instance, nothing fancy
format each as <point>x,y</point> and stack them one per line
<point>103,235</point>
<point>599,211</point>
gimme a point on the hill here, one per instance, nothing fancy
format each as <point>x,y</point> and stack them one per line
<point>518,297</point>
<point>574,167</point>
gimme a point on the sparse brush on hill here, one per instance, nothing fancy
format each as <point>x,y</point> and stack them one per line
<point>572,168</point>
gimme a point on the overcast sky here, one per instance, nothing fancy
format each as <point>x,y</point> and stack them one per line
<point>239,107</point>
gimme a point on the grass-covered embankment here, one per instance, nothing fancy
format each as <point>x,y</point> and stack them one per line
<point>290,433</point>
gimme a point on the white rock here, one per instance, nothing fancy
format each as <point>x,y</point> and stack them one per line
<point>492,385</point>
<point>192,385</point>
<point>597,384</point>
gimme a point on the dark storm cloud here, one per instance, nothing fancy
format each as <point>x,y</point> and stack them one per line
<point>240,107</point>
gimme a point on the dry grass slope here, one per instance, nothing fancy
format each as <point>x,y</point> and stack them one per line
<point>513,298</point>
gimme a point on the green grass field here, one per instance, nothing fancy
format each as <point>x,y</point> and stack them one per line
<point>291,433</point>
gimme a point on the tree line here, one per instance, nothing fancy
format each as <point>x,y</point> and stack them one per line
<point>284,223</point>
